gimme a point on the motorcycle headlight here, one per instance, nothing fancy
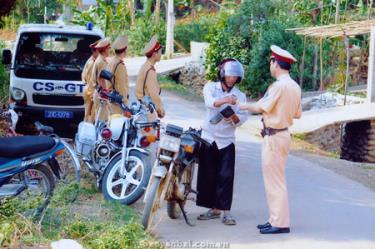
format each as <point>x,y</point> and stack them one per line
<point>170,143</point>
<point>18,94</point>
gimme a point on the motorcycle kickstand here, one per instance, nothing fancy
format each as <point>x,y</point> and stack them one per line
<point>184,214</point>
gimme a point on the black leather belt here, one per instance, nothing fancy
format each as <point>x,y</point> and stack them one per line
<point>266,131</point>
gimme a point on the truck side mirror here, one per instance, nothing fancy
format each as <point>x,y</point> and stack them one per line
<point>6,58</point>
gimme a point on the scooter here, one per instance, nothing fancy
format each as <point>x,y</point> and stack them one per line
<point>28,163</point>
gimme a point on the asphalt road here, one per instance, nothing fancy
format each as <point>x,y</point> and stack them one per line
<point>327,210</point>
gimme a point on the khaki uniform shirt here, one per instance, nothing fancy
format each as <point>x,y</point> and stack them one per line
<point>282,103</point>
<point>120,76</point>
<point>100,64</point>
<point>149,86</point>
<point>87,76</point>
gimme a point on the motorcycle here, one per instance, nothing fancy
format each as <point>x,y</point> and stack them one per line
<point>104,146</point>
<point>129,170</point>
<point>28,166</point>
<point>93,141</point>
<point>68,162</point>
<point>173,172</point>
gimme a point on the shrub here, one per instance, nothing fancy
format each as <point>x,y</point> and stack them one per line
<point>247,36</point>
<point>4,79</point>
<point>194,30</point>
<point>142,33</point>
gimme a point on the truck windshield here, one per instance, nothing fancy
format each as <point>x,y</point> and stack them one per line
<point>52,55</point>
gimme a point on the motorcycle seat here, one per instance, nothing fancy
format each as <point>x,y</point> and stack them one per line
<point>13,147</point>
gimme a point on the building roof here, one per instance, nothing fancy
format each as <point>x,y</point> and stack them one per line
<point>336,30</point>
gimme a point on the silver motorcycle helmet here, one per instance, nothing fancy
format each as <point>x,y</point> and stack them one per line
<point>231,67</point>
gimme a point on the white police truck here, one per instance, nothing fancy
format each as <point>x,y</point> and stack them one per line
<point>45,73</point>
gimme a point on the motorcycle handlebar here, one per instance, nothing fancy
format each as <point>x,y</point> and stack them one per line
<point>196,136</point>
<point>113,97</point>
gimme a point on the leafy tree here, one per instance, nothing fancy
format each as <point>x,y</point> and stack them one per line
<point>6,7</point>
<point>142,33</point>
<point>110,17</point>
<point>33,10</point>
<point>238,37</point>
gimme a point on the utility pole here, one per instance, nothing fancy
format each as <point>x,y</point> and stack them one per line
<point>45,12</point>
<point>170,30</point>
<point>337,16</point>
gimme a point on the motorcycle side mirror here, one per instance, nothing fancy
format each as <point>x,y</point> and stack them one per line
<point>6,58</point>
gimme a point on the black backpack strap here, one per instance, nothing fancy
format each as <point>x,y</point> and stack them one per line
<point>114,76</point>
<point>144,83</point>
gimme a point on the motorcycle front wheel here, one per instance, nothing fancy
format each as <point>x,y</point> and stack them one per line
<point>173,209</point>
<point>128,188</point>
<point>151,201</point>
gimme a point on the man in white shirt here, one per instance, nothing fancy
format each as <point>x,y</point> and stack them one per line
<point>216,162</point>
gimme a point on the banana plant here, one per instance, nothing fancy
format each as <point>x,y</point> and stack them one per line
<point>108,16</point>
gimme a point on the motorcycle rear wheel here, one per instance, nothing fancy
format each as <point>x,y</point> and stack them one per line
<point>41,173</point>
<point>40,184</point>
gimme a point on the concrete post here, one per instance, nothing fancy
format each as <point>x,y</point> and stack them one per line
<point>371,69</point>
<point>170,30</point>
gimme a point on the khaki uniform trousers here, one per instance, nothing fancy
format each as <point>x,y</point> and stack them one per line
<point>105,110</point>
<point>87,98</point>
<point>275,151</point>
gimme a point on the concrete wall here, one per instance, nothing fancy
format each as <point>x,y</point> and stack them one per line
<point>371,69</point>
<point>326,138</point>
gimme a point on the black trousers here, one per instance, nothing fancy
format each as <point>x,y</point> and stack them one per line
<point>216,177</point>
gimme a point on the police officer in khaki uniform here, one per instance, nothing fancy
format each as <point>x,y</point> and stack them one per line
<point>116,65</point>
<point>100,63</point>
<point>147,83</point>
<point>280,105</point>
<point>88,90</point>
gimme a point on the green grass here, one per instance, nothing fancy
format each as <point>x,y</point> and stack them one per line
<point>361,94</point>
<point>92,221</point>
<point>301,142</point>
<point>299,136</point>
<point>369,167</point>
<point>333,155</point>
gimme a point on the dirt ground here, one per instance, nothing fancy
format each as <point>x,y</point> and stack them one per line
<point>7,35</point>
